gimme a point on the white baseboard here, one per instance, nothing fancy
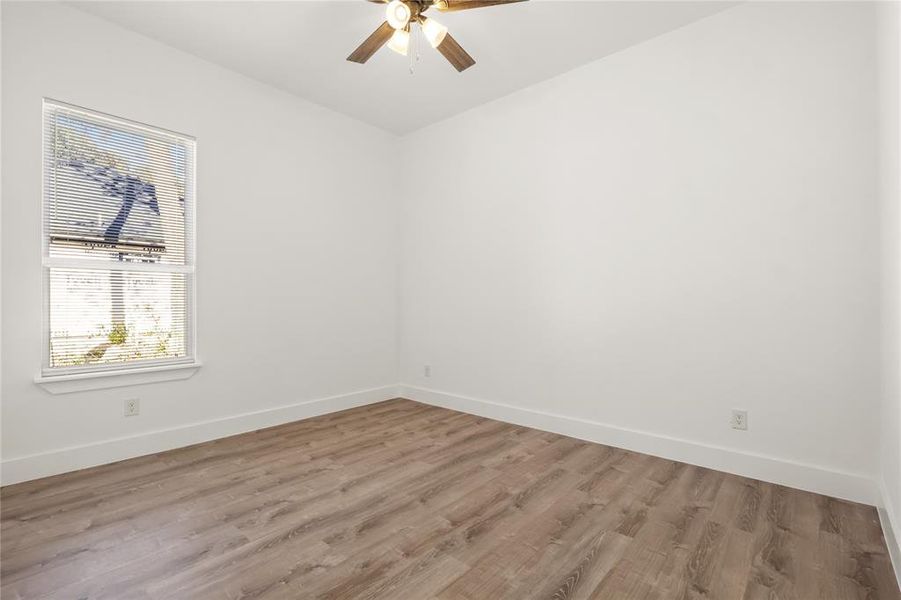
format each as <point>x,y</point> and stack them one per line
<point>891,529</point>
<point>813,478</point>
<point>849,486</point>
<point>63,460</point>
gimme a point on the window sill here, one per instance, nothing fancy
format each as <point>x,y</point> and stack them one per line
<point>80,382</point>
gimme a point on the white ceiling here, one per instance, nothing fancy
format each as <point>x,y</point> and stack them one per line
<point>301,47</point>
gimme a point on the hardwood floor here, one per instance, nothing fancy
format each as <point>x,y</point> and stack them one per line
<point>406,501</point>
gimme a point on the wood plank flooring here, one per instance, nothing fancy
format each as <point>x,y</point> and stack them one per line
<point>406,501</point>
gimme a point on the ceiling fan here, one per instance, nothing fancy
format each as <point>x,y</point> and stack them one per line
<point>401,15</point>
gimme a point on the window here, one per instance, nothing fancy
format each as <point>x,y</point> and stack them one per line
<point>118,243</point>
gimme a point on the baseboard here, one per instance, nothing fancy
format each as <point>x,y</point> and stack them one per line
<point>891,529</point>
<point>813,478</point>
<point>63,460</point>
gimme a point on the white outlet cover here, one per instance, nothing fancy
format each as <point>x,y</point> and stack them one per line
<point>740,419</point>
<point>132,407</point>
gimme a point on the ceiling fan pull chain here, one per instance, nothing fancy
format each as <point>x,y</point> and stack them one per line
<point>418,42</point>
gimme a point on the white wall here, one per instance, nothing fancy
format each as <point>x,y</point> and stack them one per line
<point>296,262</point>
<point>889,18</point>
<point>657,237</point>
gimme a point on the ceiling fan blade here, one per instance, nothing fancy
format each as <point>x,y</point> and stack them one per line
<point>378,1</point>
<point>371,44</point>
<point>455,54</point>
<point>454,5</point>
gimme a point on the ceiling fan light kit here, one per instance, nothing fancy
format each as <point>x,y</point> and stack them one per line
<point>402,14</point>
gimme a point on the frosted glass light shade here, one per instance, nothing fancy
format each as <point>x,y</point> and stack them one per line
<point>433,31</point>
<point>400,41</point>
<point>398,14</point>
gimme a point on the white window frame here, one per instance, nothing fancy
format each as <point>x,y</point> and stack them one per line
<point>78,378</point>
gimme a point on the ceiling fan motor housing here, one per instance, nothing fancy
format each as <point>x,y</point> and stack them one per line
<point>417,7</point>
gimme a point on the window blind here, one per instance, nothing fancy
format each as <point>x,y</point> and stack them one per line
<point>118,242</point>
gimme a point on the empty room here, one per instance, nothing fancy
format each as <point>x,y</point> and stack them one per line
<point>450,300</point>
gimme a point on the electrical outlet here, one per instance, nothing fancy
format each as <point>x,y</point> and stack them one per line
<point>427,370</point>
<point>132,407</point>
<point>740,419</point>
